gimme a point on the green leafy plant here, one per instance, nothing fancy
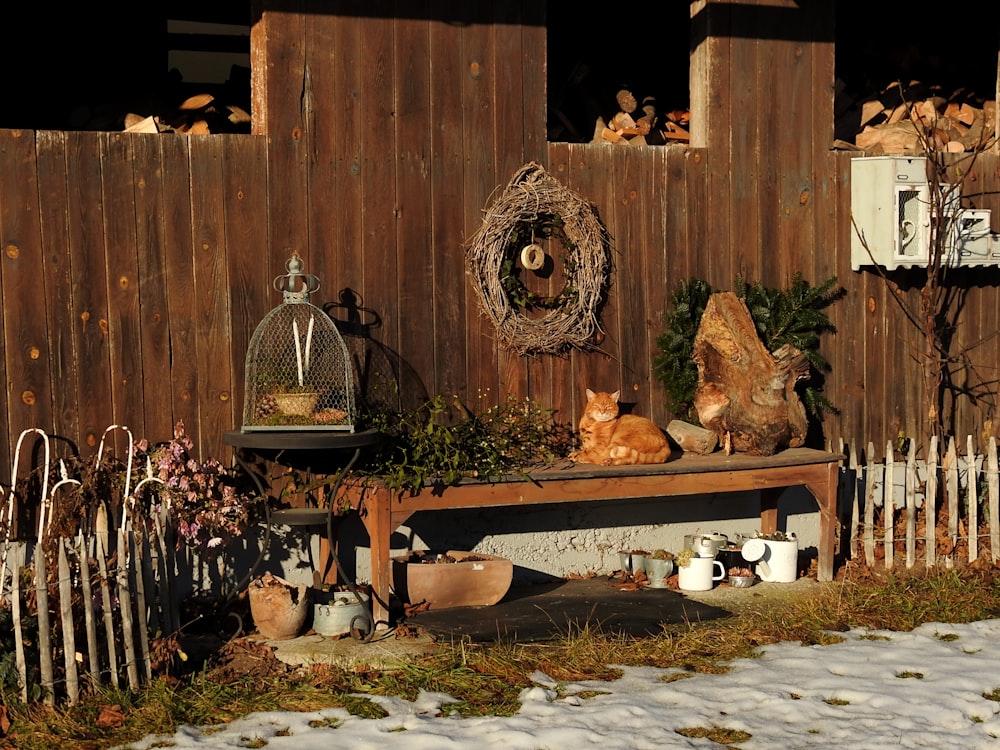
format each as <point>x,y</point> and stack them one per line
<point>794,316</point>
<point>674,365</point>
<point>438,443</point>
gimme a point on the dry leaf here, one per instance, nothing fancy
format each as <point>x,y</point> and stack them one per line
<point>110,717</point>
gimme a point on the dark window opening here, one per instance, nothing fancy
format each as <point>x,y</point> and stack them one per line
<point>593,54</point>
<point>84,71</point>
<point>888,53</point>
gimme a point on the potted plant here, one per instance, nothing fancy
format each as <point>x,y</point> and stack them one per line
<point>741,577</point>
<point>659,567</point>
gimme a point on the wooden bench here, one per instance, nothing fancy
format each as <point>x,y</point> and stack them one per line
<point>383,510</point>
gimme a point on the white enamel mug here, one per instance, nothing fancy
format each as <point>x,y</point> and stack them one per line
<point>700,574</point>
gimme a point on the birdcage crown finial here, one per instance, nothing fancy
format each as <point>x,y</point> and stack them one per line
<point>296,286</point>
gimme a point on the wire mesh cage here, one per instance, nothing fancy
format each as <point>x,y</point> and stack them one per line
<point>298,370</point>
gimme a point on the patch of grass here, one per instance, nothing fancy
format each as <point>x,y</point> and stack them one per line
<point>720,735</point>
<point>486,679</point>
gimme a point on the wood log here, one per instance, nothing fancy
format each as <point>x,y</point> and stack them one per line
<point>692,438</point>
<point>745,394</point>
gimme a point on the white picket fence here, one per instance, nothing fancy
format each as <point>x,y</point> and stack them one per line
<point>102,594</point>
<point>926,510</point>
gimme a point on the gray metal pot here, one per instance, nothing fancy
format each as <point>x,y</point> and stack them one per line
<point>706,545</point>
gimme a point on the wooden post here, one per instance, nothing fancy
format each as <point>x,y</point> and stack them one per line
<point>18,554</point>
<point>90,623</point>
<point>951,470</point>
<point>109,625</point>
<point>930,505</point>
<point>872,498</point>
<point>993,491</point>
<point>910,492</point>
<point>44,625</point>
<point>68,631</point>
<point>973,495</point>
<point>889,513</point>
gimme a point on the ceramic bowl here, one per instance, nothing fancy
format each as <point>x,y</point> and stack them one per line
<point>742,582</point>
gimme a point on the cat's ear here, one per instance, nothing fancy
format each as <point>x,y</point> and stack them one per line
<point>590,394</point>
<point>615,395</point>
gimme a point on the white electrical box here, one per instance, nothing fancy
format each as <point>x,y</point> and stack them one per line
<point>891,211</point>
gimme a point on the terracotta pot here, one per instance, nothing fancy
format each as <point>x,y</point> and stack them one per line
<point>460,579</point>
<point>279,608</point>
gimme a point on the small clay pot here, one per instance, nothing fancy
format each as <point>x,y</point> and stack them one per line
<point>279,608</point>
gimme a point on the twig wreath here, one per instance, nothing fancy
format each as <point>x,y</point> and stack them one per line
<point>535,206</point>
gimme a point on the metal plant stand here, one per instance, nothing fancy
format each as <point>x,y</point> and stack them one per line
<point>312,451</point>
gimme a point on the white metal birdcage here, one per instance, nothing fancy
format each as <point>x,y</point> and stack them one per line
<point>298,370</point>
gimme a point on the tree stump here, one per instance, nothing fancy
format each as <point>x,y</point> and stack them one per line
<point>745,394</point>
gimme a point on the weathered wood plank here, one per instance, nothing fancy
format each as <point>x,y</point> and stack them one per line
<point>210,301</point>
<point>153,320</point>
<point>507,52</point>
<point>279,69</point>
<point>993,495</point>
<point>27,345</point>
<point>415,281</point>
<point>480,179</point>
<point>252,295</point>
<point>633,202</point>
<point>871,500</point>
<point>179,262</point>
<point>454,303</point>
<point>52,218</point>
<point>658,276</point>
<point>380,261</point>
<point>88,263</point>
<point>124,324</point>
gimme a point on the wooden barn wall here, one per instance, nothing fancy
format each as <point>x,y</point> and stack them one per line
<point>136,267</point>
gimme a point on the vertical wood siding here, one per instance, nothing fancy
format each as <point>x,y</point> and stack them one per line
<point>136,267</point>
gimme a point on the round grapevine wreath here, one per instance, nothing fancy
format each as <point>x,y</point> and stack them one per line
<point>534,205</point>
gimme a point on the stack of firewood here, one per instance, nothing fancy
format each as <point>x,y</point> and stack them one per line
<point>198,115</point>
<point>895,121</point>
<point>633,125</point>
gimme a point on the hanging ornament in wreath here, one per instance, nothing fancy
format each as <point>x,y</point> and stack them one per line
<point>535,232</point>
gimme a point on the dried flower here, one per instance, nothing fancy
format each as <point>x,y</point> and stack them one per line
<point>203,498</point>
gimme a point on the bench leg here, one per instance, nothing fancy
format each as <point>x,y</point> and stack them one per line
<point>826,497</point>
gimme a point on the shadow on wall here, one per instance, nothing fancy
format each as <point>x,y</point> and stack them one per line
<point>385,381</point>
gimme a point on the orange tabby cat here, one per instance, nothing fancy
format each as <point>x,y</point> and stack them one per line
<point>612,439</point>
